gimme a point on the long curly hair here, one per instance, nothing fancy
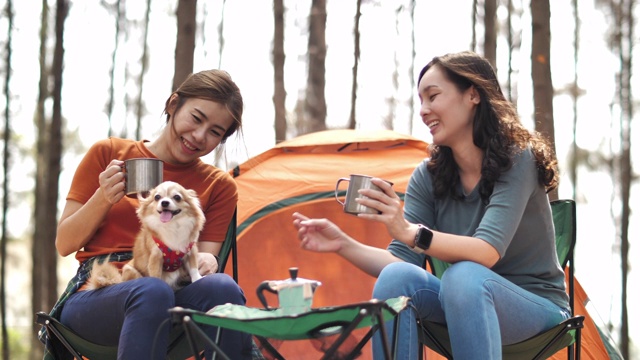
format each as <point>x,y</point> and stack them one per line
<point>496,130</point>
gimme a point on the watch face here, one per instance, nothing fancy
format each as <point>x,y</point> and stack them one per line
<point>423,238</point>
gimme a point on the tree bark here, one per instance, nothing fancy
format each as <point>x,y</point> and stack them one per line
<point>412,79</point>
<point>279,92</point>
<point>315,103</point>
<point>573,167</point>
<point>626,172</point>
<point>510,49</point>
<point>356,61</point>
<point>490,31</point>
<point>5,175</point>
<point>474,21</point>
<point>392,100</point>
<point>140,107</point>
<point>119,25</point>
<point>44,276</point>
<point>40,247</point>
<point>541,72</point>
<point>185,41</point>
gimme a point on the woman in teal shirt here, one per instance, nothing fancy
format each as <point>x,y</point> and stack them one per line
<point>479,202</point>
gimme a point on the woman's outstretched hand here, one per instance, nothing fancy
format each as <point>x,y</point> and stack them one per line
<point>320,235</point>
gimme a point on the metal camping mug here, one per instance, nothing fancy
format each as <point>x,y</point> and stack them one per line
<point>357,182</point>
<point>141,176</point>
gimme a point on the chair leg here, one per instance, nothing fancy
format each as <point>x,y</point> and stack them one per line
<point>421,344</point>
<point>396,334</point>
<point>578,344</point>
<point>383,335</point>
<point>272,350</point>
<point>570,355</point>
<point>378,327</point>
<point>191,330</point>
<point>345,333</point>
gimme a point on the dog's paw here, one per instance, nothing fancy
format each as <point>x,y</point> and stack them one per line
<point>130,273</point>
<point>195,276</point>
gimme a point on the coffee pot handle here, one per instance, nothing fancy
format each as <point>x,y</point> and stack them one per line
<point>337,186</point>
<point>260,292</point>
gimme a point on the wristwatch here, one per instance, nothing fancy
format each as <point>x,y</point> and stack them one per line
<point>423,238</point>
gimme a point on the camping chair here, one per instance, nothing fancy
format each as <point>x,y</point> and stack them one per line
<point>66,340</point>
<point>564,335</point>
<point>317,323</point>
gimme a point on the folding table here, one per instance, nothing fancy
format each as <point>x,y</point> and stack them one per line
<point>267,324</point>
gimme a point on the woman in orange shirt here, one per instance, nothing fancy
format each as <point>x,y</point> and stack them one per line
<point>99,221</point>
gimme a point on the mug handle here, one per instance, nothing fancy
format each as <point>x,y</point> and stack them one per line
<point>336,192</point>
<point>260,292</point>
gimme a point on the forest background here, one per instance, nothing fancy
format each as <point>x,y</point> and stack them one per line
<point>295,63</point>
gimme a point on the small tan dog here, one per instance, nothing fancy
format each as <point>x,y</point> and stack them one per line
<point>171,220</point>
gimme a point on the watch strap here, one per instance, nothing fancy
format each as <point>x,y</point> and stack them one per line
<point>415,247</point>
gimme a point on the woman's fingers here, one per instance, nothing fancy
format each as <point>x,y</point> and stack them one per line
<point>112,181</point>
<point>385,186</point>
<point>299,217</point>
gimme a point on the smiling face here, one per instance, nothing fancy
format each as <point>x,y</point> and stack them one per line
<point>194,130</point>
<point>446,110</point>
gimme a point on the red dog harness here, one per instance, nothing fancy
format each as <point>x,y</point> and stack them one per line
<point>172,258</point>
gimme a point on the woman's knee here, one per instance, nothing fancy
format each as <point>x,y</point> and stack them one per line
<point>222,287</point>
<point>463,280</point>
<point>151,292</point>
<point>398,278</point>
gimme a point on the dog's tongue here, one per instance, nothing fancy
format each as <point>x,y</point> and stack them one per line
<point>166,216</point>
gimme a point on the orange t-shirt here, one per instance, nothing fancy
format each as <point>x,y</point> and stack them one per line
<point>217,191</point>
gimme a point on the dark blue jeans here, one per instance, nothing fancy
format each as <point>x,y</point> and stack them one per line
<point>130,314</point>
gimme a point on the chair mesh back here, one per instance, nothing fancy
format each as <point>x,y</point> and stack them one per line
<point>564,221</point>
<point>229,247</point>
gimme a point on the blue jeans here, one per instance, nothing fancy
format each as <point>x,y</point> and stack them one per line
<point>132,313</point>
<point>482,310</point>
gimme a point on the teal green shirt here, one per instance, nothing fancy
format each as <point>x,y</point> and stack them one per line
<point>517,222</point>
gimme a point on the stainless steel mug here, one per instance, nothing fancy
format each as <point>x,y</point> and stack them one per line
<point>141,176</point>
<point>356,182</point>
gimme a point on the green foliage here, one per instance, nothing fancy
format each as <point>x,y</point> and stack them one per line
<point>18,345</point>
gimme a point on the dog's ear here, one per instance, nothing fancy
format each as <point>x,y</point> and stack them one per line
<point>146,195</point>
<point>193,194</point>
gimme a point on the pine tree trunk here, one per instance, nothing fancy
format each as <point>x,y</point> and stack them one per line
<point>44,276</point>
<point>279,93</point>
<point>490,31</point>
<point>6,161</point>
<point>315,104</point>
<point>541,72</point>
<point>626,171</point>
<point>144,61</point>
<point>356,61</point>
<point>185,41</point>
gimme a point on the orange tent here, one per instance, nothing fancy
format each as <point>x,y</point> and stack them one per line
<point>300,175</point>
